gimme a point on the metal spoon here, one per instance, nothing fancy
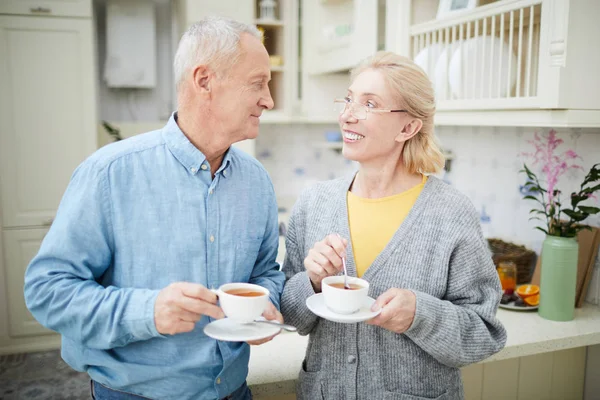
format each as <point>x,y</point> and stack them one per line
<point>346,286</point>
<point>287,327</point>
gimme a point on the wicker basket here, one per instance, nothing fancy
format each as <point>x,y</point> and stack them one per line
<point>521,256</point>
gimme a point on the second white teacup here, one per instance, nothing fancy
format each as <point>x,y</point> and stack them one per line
<point>242,302</point>
<point>344,301</point>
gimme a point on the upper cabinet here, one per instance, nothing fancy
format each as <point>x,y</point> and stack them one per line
<point>339,33</point>
<point>56,8</point>
<point>336,35</point>
<point>278,21</point>
<point>507,62</point>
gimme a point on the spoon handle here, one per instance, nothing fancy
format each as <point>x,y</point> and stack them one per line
<point>345,273</point>
<point>345,270</point>
<point>287,327</point>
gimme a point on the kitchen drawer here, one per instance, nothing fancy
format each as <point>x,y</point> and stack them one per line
<point>51,8</point>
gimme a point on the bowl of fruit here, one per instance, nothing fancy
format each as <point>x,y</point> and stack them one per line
<point>524,298</point>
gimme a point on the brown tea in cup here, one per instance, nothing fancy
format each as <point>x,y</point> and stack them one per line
<point>244,292</point>
<point>353,286</point>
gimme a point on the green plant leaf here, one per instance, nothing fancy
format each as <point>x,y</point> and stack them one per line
<point>542,229</point>
<point>532,198</point>
<point>537,212</point>
<point>575,216</point>
<point>538,218</point>
<point>589,210</point>
<point>591,189</point>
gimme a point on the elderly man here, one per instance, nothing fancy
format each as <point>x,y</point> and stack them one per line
<point>148,225</point>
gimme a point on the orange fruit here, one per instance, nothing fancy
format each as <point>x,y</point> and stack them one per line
<point>532,300</point>
<point>526,291</point>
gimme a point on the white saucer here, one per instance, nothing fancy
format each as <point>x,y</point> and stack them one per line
<point>229,331</point>
<point>511,306</point>
<point>316,304</point>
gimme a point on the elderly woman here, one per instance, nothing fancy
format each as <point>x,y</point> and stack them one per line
<point>416,240</point>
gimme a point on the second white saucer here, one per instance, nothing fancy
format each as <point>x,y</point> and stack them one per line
<point>316,304</point>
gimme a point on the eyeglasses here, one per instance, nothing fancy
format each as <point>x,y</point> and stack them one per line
<point>358,110</point>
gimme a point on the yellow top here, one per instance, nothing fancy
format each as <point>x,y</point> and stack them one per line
<point>373,222</point>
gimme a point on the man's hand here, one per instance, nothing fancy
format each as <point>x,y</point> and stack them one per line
<point>180,305</point>
<point>270,314</point>
<point>399,307</point>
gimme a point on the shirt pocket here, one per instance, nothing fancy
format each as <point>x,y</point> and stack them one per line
<point>246,253</point>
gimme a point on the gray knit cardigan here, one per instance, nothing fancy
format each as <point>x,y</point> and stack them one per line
<point>440,254</point>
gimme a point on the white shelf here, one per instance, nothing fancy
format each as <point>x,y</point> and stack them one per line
<point>269,22</point>
<point>524,117</point>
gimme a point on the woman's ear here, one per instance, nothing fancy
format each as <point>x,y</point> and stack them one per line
<point>411,129</point>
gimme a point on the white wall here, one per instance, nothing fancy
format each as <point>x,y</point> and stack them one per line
<point>485,168</point>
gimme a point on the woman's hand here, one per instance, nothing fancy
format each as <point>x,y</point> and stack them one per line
<point>325,259</point>
<point>398,310</point>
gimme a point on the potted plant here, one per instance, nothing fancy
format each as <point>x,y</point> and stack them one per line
<point>561,222</point>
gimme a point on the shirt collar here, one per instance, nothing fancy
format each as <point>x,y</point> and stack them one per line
<point>185,152</point>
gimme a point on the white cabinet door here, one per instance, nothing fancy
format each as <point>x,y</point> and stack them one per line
<point>338,34</point>
<point>20,246</point>
<point>71,8</point>
<point>47,113</point>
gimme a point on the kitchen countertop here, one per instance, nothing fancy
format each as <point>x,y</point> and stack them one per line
<point>274,366</point>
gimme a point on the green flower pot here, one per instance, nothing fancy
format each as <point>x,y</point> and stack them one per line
<point>559,278</point>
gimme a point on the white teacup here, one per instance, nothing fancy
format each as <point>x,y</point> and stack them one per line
<point>344,301</point>
<point>242,302</point>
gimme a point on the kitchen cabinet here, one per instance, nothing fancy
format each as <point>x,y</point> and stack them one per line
<point>47,127</point>
<point>338,34</point>
<point>54,8</point>
<point>507,62</point>
<point>47,113</point>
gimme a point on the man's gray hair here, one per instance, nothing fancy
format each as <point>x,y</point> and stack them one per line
<point>213,41</point>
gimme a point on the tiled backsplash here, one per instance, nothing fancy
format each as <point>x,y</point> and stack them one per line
<point>485,168</point>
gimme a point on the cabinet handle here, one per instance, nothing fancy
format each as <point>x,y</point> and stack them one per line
<point>48,222</point>
<point>40,10</point>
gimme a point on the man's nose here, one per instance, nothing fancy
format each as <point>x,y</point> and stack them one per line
<point>267,101</point>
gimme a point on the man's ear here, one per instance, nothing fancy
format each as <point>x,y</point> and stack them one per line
<point>202,77</point>
<point>411,129</point>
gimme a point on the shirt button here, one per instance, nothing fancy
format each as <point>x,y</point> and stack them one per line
<point>204,167</point>
<point>193,170</point>
<point>210,191</point>
<point>225,172</point>
<point>218,381</point>
<point>351,359</point>
<point>212,238</point>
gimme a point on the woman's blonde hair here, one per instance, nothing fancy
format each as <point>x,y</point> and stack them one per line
<point>413,90</point>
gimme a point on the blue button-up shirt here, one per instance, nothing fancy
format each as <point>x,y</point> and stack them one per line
<point>138,215</point>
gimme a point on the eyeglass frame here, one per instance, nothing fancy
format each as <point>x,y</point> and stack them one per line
<point>347,102</point>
